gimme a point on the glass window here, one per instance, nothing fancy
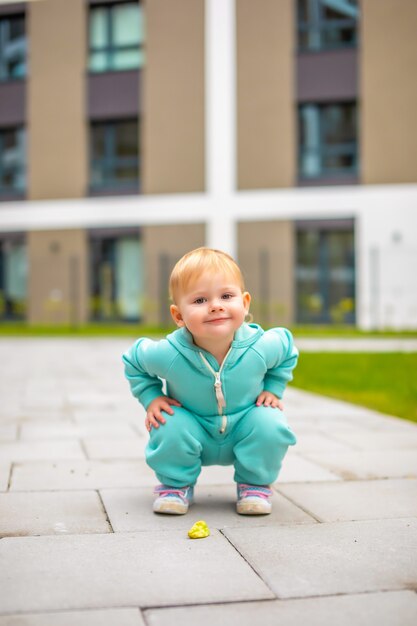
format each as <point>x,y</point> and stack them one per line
<point>114,154</point>
<point>117,278</point>
<point>13,278</point>
<point>12,47</point>
<point>12,160</point>
<point>327,140</point>
<point>326,24</point>
<point>325,276</point>
<point>116,37</point>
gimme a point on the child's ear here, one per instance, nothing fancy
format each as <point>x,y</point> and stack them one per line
<point>246,300</point>
<point>176,315</point>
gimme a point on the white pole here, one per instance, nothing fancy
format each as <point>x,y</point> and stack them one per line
<point>220,99</point>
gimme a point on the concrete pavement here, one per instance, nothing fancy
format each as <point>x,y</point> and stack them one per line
<point>81,546</point>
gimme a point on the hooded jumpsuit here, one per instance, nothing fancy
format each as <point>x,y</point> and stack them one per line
<point>218,422</point>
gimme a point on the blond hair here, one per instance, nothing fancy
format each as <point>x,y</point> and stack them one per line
<point>198,262</point>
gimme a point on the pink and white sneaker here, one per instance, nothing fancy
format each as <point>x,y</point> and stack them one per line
<point>173,500</point>
<point>253,499</point>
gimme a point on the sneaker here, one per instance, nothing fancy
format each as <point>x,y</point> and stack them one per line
<point>173,500</point>
<point>253,499</point>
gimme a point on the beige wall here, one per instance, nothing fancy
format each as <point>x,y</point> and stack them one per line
<point>163,246</point>
<point>173,119</point>
<point>388,55</point>
<point>58,280</point>
<point>57,146</point>
<point>266,135</point>
<point>266,257</point>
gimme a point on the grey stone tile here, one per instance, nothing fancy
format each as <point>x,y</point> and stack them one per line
<point>4,476</point>
<point>40,450</point>
<point>80,475</point>
<point>377,440</point>
<point>53,429</point>
<point>106,617</point>
<point>8,432</point>
<point>49,513</point>
<point>117,414</point>
<point>328,559</point>
<point>395,608</point>
<point>368,464</point>
<point>121,570</point>
<point>131,510</point>
<point>132,448</point>
<point>298,469</point>
<point>308,441</point>
<point>356,500</point>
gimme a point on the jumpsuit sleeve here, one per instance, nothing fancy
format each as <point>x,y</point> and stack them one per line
<point>143,369</point>
<point>281,359</point>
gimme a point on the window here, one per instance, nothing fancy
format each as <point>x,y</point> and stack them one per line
<point>327,140</point>
<point>12,160</point>
<point>114,155</point>
<point>325,274</point>
<point>116,34</point>
<point>116,276</point>
<point>327,24</point>
<point>12,47</point>
<point>13,278</point>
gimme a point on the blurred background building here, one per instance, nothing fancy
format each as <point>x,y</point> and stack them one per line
<point>282,131</point>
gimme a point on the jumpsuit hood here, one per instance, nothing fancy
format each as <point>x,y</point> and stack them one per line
<point>245,336</point>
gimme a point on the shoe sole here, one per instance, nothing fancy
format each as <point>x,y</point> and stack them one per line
<point>251,508</point>
<point>171,508</point>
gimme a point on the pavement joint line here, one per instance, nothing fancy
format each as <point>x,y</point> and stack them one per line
<point>299,506</point>
<point>9,481</point>
<point>104,510</point>
<point>285,600</point>
<point>248,562</point>
<point>84,449</point>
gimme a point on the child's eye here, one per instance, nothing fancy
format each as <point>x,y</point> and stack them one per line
<point>227,296</point>
<point>199,300</point>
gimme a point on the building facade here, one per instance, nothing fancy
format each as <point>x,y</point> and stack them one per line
<point>282,131</point>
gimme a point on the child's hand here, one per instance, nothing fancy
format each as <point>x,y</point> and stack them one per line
<point>153,414</point>
<point>269,399</point>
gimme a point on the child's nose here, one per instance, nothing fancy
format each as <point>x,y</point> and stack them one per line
<point>216,304</point>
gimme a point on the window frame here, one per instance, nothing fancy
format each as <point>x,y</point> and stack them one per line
<point>20,169</point>
<point>318,25</point>
<point>110,49</point>
<point>324,151</point>
<point>110,162</point>
<point>7,77</point>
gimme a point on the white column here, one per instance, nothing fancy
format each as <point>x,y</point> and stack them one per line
<point>220,140</point>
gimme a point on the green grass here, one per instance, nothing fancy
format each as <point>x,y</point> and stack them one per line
<point>16,329</point>
<point>384,382</point>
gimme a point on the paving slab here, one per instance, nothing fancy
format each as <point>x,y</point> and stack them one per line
<point>355,500</point>
<point>80,475</point>
<point>69,430</point>
<point>99,448</point>
<point>49,513</point>
<point>107,617</point>
<point>396,608</point>
<point>8,432</point>
<point>295,468</point>
<point>4,476</point>
<point>41,450</point>
<point>131,510</point>
<point>327,559</point>
<point>387,440</point>
<point>368,464</point>
<point>309,441</point>
<point>122,570</point>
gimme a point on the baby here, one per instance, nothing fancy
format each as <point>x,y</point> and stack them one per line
<point>224,382</point>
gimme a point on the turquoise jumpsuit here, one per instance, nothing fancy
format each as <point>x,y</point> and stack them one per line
<point>218,422</point>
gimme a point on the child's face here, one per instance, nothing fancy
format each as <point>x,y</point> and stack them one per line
<point>213,308</point>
